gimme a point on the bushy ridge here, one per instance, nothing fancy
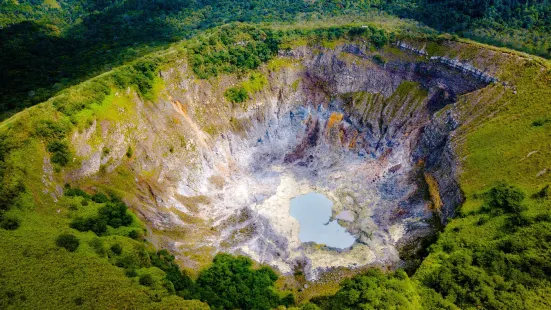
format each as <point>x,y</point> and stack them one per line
<point>522,25</point>
<point>47,46</point>
<point>231,50</point>
<point>231,283</point>
<point>375,290</point>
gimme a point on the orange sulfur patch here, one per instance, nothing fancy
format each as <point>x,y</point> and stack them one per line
<point>335,118</point>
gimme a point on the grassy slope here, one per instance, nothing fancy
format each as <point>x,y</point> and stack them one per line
<point>39,274</point>
<point>500,143</point>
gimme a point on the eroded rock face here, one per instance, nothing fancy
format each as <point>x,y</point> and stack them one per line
<point>337,123</point>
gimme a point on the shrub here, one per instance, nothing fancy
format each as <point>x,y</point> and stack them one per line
<point>60,152</point>
<point>50,130</point>
<point>540,122</point>
<point>134,234</point>
<point>131,273</point>
<point>129,152</point>
<point>506,197</point>
<point>79,301</point>
<point>75,191</point>
<point>97,225</point>
<point>520,219</point>
<point>379,38</point>
<point>100,198</point>
<point>544,193</point>
<point>115,214</point>
<point>116,248</point>
<point>10,223</point>
<point>67,241</point>
<point>378,59</point>
<point>288,300</point>
<point>164,261</point>
<point>482,220</point>
<point>146,280</point>
<point>543,217</point>
<point>169,286</point>
<point>97,245</point>
<point>236,94</point>
<point>357,31</point>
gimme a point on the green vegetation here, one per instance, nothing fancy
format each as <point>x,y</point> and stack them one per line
<point>497,273</point>
<point>67,241</point>
<point>231,283</point>
<point>116,249</point>
<point>504,269</point>
<point>60,152</point>
<point>375,290</point>
<point>146,280</point>
<point>46,48</point>
<point>255,83</point>
<point>236,94</point>
<point>232,49</point>
<point>114,213</point>
<point>379,59</point>
<point>10,222</point>
<point>129,152</point>
<point>35,38</point>
<point>494,254</point>
<point>157,270</point>
<point>522,25</point>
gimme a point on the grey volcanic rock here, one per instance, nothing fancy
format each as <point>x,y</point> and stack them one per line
<point>436,149</point>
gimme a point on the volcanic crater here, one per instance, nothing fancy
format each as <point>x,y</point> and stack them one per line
<point>374,137</point>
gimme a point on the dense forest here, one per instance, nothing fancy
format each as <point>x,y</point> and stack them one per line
<point>46,46</point>
<point>520,24</point>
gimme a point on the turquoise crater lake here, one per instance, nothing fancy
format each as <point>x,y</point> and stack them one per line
<point>313,211</point>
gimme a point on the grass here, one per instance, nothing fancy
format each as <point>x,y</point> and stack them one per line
<point>54,278</point>
<point>499,147</point>
<point>276,64</point>
<point>499,143</point>
<point>242,92</point>
<point>256,82</point>
<point>409,94</point>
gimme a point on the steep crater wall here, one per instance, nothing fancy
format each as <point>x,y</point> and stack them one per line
<point>371,135</point>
